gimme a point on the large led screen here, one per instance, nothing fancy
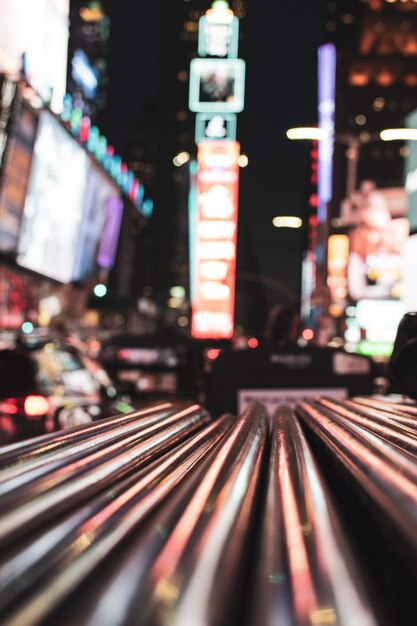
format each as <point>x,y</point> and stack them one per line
<point>100,228</point>
<point>39,29</point>
<point>16,172</point>
<point>378,229</point>
<point>54,203</point>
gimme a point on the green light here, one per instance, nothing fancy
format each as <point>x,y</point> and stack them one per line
<point>100,290</point>
<point>220,4</point>
<point>374,348</point>
<point>123,407</point>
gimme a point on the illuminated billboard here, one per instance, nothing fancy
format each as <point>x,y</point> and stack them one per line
<point>16,172</point>
<point>39,30</point>
<point>215,126</point>
<point>217,85</point>
<point>337,265</point>
<point>378,229</point>
<point>218,35</point>
<point>100,226</point>
<point>215,248</point>
<point>54,203</point>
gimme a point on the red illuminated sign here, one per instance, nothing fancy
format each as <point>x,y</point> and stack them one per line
<point>215,251</point>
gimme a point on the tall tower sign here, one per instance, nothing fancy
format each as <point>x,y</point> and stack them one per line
<point>216,95</point>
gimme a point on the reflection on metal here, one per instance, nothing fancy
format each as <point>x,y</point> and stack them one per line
<point>381,459</point>
<point>300,528</point>
<point>184,520</point>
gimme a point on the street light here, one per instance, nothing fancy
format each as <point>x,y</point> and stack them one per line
<point>353,143</point>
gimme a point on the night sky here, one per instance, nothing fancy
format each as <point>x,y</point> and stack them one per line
<point>280,51</point>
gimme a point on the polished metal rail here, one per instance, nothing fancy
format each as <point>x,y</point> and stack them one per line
<point>26,452</point>
<point>185,521</point>
<point>32,499</point>
<point>399,410</point>
<point>188,564</point>
<point>382,470</point>
<point>382,424</point>
<point>36,577</point>
<point>306,571</point>
<point>199,571</point>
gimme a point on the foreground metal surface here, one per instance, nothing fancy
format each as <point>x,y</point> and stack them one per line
<point>164,517</point>
<point>307,573</point>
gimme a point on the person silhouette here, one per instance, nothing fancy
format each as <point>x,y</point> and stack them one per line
<point>282,325</point>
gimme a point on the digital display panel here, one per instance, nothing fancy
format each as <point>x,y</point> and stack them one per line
<point>100,227</point>
<point>54,203</point>
<point>16,172</point>
<point>218,38</point>
<point>378,230</point>
<point>39,29</point>
<point>217,85</point>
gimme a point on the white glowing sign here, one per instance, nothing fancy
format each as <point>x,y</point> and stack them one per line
<point>218,38</point>
<point>216,232</point>
<point>54,202</point>
<point>215,126</point>
<point>40,30</point>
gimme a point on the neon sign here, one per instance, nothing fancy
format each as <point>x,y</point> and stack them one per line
<point>216,232</point>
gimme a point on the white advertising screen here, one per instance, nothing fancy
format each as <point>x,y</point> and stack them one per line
<point>54,203</point>
<point>39,29</point>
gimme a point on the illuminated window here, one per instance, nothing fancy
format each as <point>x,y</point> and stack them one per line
<point>359,76</point>
<point>379,104</point>
<point>364,136</point>
<point>410,80</point>
<point>385,77</point>
<point>191,27</point>
<point>379,27</point>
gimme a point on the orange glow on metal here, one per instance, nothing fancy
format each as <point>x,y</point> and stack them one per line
<point>217,192</point>
<point>304,596</point>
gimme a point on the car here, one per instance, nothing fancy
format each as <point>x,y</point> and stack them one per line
<point>154,365</point>
<point>49,383</point>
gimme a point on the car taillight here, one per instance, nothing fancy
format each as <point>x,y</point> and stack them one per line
<point>35,406</point>
<point>9,406</point>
